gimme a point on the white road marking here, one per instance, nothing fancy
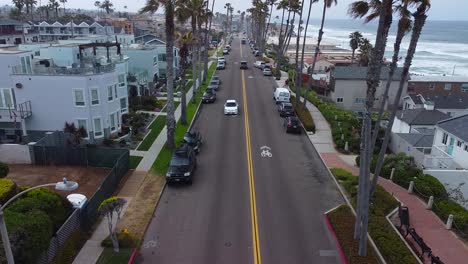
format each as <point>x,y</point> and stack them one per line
<point>265,152</point>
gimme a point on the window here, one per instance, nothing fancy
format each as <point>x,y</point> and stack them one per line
<point>339,99</point>
<point>359,100</point>
<point>459,143</point>
<point>79,97</point>
<point>123,105</point>
<point>448,86</point>
<point>97,127</point>
<point>83,123</point>
<point>112,122</point>
<point>110,90</point>
<point>115,90</point>
<point>466,148</point>
<point>444,138</point>
<point>23,65</point>
<point>118,119</point>
<point>121,80</point>
<point>28,64</point>
<point>431,86</point>
<point>37,53</point>
<point>464,87</point>
<point>94,96</point>
<point>155,60</point>
<point>162,57</point>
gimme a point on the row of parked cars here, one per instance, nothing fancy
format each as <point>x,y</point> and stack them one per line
<point>291,122</point>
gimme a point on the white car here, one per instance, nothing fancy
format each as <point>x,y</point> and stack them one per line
<point>231,107</point>
<point>259,64</point>
<point>267,72</point>
<point>221,59</point>
<point>225,51</point>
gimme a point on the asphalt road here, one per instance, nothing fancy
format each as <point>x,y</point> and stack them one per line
<point>242,207</point>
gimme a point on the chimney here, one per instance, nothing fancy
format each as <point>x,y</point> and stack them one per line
<point>428,105</point>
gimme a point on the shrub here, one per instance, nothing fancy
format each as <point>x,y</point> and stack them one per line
<point>70,248</point>
<point>8,189</point>
<point>51,203</point>
<point>4,169</point>
<point>126,240</point>
<point>341,174</point>
<point>29,234</point>
<point>443,208</point>
<point>428,185</point>
<point>399,161</point>
<point>304,116</point>
<point>403,177</point>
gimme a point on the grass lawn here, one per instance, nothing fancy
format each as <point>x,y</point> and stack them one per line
<point>393,249</point>
<point>162,161</point>
<point>156,127</point>
<point>134,161</point>
<point>108,256</point>
<point>342,220</point>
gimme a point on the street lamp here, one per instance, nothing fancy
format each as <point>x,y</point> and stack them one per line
<point>64,185</point>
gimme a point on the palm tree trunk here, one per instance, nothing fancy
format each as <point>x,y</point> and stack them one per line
<point>352,56</point>
<point>298,70</point>
<point>170,118</point>
<point>373,79</point>
<point>291,29</point>
<point>279,41</point>
<point>183,98</point>
<point>207,44</point>
<point>304,43</point>
<point>317,50</point>
<point>194,60</point>
<point>419,22</point>
<point>199,33</point>
<point>267,26</point>
<point>283,37</point>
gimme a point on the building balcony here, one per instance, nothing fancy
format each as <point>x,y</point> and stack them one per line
<point>439,159</point>
<point>16,114</point>
<point>86,69</point>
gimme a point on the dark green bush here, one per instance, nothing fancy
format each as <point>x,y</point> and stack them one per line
<point>29,234</point>
<point>54,205</point>
<point>399,161</point>
<point>428,185</point>
<point>443,208</point>
<point>403,177</point>
<point>304,115</point>
<point>4,169</point>
<point>8,189</point>
<point>70,249</point>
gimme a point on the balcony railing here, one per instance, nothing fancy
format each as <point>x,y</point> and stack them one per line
<point>87,69</point>
<point>439,159</point>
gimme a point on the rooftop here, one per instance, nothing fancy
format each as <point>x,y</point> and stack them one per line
<point>449,101</point>
<point>418,140</point>
<point>360,73</point>
<point>9,22</point>
<point>11,50</point>
<point>421,116</point>
<point>457,126</point>
<point>440,78</point>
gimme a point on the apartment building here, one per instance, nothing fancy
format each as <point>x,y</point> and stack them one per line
<point>14,32</point>
<point>51,31</point>
<point>66,83</point>
<point>441,85</point>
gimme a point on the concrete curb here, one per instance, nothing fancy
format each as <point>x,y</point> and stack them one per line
<point>332,231</point>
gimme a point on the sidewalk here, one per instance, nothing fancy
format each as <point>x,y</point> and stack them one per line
<point>444,243</point>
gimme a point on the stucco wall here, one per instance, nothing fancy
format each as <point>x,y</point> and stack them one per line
<point>15,154</point>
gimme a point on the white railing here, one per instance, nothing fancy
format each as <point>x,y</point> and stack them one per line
<point>439,159</point>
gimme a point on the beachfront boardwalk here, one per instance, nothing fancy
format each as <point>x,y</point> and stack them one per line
<point>444,243</point>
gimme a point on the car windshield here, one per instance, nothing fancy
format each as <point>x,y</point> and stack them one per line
<point>208,93</point>
<point>294,121</point>
<point>285,94</point>
<point>215,78</point>
<point>230,104</point>
<point>179,161</point>
<point>213,82</point>
<point>243,63</point>
<point>287,107</point>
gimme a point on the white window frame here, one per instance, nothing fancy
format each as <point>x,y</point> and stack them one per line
<point>74,97</point>
<point>3,98</point>
<point>94,127</point>
<point>155,60</point>
<point>359,100</point>
<point>459,143</point>
<point>448,87</point>
<point>110,91</point>
<point>121,84</point>
<point>91,95</point>
<point>86,126</point>
<point>464,87</point>
<point>339,99</point>
<point>444,138</point>
<point>112,120</point>
<point>115,92</point>
<point>466,148</point>
<point>123,110</point>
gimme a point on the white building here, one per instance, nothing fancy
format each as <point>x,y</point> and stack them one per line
<point>56,30</point>
<point>13,32</point>
<point>451,104</point>
<point>412,120</point>
<point>67,83</point>
<point>347,86</point>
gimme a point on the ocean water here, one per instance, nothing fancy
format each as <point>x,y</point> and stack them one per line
<point>442,47</point>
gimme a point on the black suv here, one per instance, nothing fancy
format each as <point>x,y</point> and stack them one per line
<point>209,96</point>
<point>182,165</point>
<point>285,109</point>
<point>243,65</point>
<point>292,124</point>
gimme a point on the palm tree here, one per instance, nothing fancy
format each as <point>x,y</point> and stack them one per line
<point>169,6</point>
<point>55,6</point>
<point>365,48</point>
<point>295,8</point>
<point>207,44</point>
<point>185,41</point>
<point>298,70</point>
<point>283,5</point>
<point>299,83</point>
<point>63,3</point>
<point>227,7</point>
<point>403,26</point>
<point>107,5</point>
<point>271,3</point>
<point>19,4</point>
<point>326,4</point>
<point>373,80</point>
<point>355,39</point>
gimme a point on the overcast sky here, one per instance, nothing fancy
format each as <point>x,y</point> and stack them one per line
<point>441,9</point>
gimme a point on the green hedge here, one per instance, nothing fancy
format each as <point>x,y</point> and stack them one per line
<point>443,208</point>
<point>4,169</point>
<point>387,240</point>
<point>428,185</point>
<point>8,189</point>
<point>304,115</point>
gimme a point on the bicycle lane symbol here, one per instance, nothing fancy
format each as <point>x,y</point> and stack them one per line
<point>265,152</point>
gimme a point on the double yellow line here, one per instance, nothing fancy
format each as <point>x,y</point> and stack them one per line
<point>253,203</point>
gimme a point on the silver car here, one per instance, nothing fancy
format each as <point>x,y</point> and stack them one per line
<point>267,72</point>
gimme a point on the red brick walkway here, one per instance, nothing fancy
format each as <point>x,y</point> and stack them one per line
<point>444,244</point>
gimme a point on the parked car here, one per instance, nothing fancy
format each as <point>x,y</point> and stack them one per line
<point>221,59</point>
<point>259,64</point>
<point>216,78</point>
<point>257,53</point>
<point>255,50</point>
<point>228,47</point>
<point>292,124</point>
<point>221,66</point>
<point>209,96</point>
<point>215,84</point>
<point>281,95</point>
<point>193,139</point>
<point>182,165</point>
<point>231,107</point>
<point>267,72</point>
<point>225,51</point>
<point>243,65</point>
<point>285,109</point>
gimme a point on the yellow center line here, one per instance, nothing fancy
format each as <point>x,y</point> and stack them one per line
<point>253,204</point>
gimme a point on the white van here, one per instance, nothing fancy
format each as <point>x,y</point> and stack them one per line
<point>281,95</point>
